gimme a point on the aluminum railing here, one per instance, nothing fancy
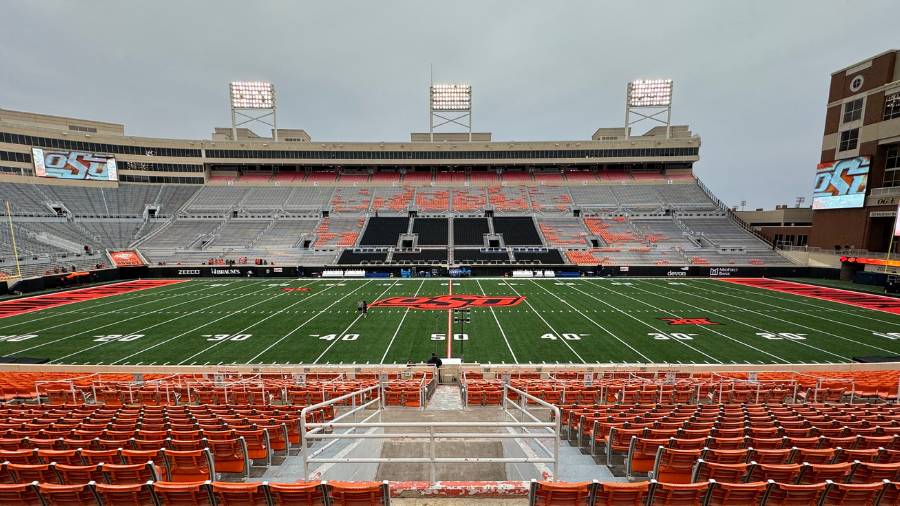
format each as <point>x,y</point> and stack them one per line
<point>310,432</point>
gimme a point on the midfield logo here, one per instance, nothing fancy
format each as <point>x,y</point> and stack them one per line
<point>448,301</point>
<point>689,321</point>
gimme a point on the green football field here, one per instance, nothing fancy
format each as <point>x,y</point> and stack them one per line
<point>599,320</point>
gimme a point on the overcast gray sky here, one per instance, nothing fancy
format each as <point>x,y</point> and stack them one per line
<point>750,77</point>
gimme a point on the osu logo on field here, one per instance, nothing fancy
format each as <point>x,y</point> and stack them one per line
<point>449,301</point>
<point>689,321</point>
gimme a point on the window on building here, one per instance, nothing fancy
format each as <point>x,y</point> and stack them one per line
<point>849,139</point>
<point>892,167</point>
<point>853,110</point>
<point>892,106</point>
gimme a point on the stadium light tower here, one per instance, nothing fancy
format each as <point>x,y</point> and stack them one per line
<point>450,104</point>
<point>648,99</point>
<point>252,101</point>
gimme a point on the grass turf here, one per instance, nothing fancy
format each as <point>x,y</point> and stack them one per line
<point>215,321</point>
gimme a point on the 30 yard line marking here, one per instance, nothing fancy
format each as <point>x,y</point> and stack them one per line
<point>311,318</point>
<point>557,334</point>
<point>499,327</point>
<point>118,299</point>
<point>601,327</point>
<point>108,325</point>
<point>810,328</point>
<point>740,322</point>
<point>399,325</point>
<point>227,315</point>
<point>349,327</point>
<point>626,313</point>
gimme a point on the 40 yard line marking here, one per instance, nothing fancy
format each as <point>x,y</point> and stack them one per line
<point>107,325</point>
<point>499,327</point>
<point>399,325</point>
<point>316,361</point>
<point>557,334</point>
<point>229,314</point>
<point>311,318</point>
<point>601,327</point>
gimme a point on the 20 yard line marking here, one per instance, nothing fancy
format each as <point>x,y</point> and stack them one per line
<point>118,299</point>
<point>557,334</point>
<point>227,315</point>
<point>810,328</point>
<point>399,325</point>
<point>500,327</point>
<point>343,332</point>
<point>311,318</point>
<point>82,350</point>
<point>105,313</point>
<point>109,325</point>
<point>740,322</point>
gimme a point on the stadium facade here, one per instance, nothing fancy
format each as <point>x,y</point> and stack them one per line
<point>81,188</point>
<point>862,128</point>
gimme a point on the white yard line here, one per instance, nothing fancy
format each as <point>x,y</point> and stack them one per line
<point>227,315</point>
<point>499,327</point>
<point>119,299</point>
<point>257,322</point>
<point>117,322</point>
<point>741,322</point>
<point>806,301</point>
<point>343,332</point>
<point>558,335</point>
<point>399,325</point>
<point>642,322</point>
<point>311,318</point>
<point>829,320</point>
<point>601,327</point>
<point>125,309</point>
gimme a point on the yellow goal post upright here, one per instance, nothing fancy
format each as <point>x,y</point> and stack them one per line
<point>12,236</point>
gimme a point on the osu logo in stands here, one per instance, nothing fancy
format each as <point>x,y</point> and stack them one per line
<point>689,321</point>
<point>449,301</point>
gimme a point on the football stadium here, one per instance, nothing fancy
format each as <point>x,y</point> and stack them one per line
<point>259,318</point>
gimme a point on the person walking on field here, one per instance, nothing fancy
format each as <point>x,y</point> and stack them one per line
<point>359,307</point>
<point>365,308</point>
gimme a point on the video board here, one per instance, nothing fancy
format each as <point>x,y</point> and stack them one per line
<point>841,184</point>
<point>74,165</point>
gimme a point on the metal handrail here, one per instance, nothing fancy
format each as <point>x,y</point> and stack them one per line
<point>313,431</point>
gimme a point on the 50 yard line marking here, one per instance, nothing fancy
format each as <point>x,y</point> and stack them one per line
<point>156,324</point>
<point>94,329</point>
<point>500,327</point>
<point>399,325</point>
<point>311,318</point>
<point>557,334</point>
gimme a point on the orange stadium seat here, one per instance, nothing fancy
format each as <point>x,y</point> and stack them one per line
<point>194,493</point>
<point>306,493</point>
<point>546,493</point>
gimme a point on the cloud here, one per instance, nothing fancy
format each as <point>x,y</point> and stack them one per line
<point>751,77</point>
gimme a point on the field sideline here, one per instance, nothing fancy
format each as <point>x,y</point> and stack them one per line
<point>587,320</point>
